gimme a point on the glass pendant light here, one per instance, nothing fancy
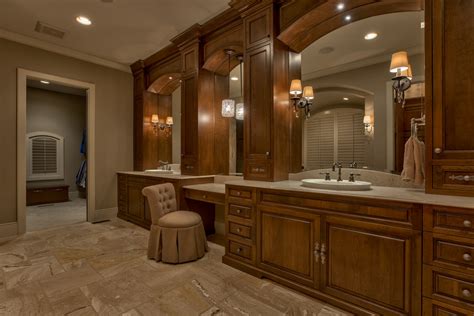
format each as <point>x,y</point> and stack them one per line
<point>228,105</point>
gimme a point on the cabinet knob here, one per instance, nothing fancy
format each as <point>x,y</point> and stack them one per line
<point>267,154</point>
<point>238,193</point>
<point>238,211</point>
<point>467,257</point>
<point>204,196</point>
<point>238,230</point>
<point>466,293</point>
<point>437,150</point>
<point>467,223</point>
<point>239,250</point>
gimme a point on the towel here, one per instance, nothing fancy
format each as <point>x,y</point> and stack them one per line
<point>408,173</point>
<point>419,155</point>
<point>414,161</point>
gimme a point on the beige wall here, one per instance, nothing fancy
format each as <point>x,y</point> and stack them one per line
<point>64,115</point>
<point>114,112</point>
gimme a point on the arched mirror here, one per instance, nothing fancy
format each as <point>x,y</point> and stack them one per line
<point>360,116</point>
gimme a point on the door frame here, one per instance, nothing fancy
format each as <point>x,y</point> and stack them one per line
<point>22,76</point>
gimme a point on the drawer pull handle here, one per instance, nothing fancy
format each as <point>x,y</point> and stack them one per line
<point>204,196</point>
<point>323,253</point>
<point>461,178</point>
<point>316,252</point>
<point>238,211</point>
<point>239,250</point>
<point>238,193</point>
<point>467,257</point>
<point>466,293</point>
<point>467,223</point>
<point>437,150</point>
<point>238,230</point>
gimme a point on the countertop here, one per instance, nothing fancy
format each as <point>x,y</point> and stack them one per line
<point>207,187</point>
<point>409,195</point>
<point>176,176</point>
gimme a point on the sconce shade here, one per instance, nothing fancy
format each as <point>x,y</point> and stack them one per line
<point>408,73</point>
<point>239,112</point>
<point>155,119</point>
<point>367,119</point>
<point>228,108</point>
<point>169,120</point>
<point>399,62</point>
<point>295,87</point>
<point>308,93</point>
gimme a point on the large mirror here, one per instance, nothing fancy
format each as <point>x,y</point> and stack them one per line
<point>236,122</point>
<point>354,118</point>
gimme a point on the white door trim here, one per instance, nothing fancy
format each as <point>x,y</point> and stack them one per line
<point>22,76</point>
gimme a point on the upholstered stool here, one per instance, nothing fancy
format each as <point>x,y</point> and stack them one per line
<point>175,236</point>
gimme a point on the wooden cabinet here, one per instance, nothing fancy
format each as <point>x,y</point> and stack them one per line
<point>435,308</point>
<point>364,256</point>
<point>450,96</point>
<point>47,195</point>
<point>372,265</point>
<point>289,245</point>
<point>132,205</point>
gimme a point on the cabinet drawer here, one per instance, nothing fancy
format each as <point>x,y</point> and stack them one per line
<point>240,250</point>
<point>448,286</point>
<point>211,197</point>
<point>449,220</point>
<point>435,308</point>
<point>449,251</point>
<point>240,211</point>
<point>453,178</point>
<point>241,193</point>
<point>240,230</point>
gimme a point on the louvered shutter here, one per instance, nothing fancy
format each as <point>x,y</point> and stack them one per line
<point>45,156</point>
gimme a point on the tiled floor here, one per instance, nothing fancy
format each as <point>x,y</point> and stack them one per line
<point>86,269</point>
<point>40,217</point>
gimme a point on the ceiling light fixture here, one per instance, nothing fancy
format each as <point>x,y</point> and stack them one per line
<point>44,82</point>
<point>370,36</point>
<point>340,6</point>
<point>234,78</point>
<point>348,18</point>
<point>83,20</point>
<point>345,99</point>
<point>170,78</point>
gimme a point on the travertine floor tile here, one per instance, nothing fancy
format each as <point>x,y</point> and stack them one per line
<point>86,269</point>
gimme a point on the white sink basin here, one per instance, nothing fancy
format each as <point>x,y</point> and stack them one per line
<point>335,185</point>
<point>160,171</point>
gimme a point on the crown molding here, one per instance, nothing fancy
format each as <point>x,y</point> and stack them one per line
<point>26,40</point>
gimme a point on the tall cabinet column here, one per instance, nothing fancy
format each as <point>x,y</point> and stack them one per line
<point>268,119</point>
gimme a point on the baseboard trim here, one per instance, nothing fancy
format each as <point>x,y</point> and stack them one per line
<point>105,214</point>
<point>220,228</point>
<point>8,231</point>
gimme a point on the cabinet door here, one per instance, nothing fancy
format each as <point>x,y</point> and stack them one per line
<point>286,244</point>
<point>372,265</point>
<point>258,113</point>
<point>136,205</point>
<point>453,78</point>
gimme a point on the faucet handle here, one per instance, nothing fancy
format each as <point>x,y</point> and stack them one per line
<point>352,176</point>
<point>327,176</point>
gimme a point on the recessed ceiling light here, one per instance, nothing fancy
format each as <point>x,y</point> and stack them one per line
<point>326,50</point>
<point>327,112</point>
<point>370,36</point>
<point>422,25</point>
<point>83,20</point>
<point>345,99</point>
<point>44,82</point>
<point>348,18</point>
<point>234,78</point>
<point>340,6</point>
<point>170,78</point>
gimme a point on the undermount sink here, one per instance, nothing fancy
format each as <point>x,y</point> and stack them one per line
<point>336,185</point>
<point>160,171</point>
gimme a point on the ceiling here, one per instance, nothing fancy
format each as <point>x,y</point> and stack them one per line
<point>122,32</point>
<point>396,31</point>
<point>335,98</point>
<point>33,83</point>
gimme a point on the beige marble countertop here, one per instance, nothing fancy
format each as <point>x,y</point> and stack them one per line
<point>207,187</point>
<point>176,176</point>
<point>409,195</point>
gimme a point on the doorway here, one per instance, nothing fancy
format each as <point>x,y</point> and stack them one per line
<point>55,151</point>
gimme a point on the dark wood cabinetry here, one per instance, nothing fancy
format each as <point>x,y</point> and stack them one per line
<point>450,96</point>
<point>364,256</point>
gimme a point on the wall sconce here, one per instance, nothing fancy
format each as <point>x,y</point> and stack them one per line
<point>239,111</point>
<point>368,124</point>
<point>402,80</point>
<point>155,121</point>
<point>301,102</point>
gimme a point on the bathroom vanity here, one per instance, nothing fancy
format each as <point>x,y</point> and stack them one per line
<point>366,252</point>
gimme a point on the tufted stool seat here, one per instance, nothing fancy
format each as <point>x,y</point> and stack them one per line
<point>175,236</point>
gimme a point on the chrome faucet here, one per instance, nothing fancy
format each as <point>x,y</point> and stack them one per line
<point>339,166</point>
<point>164,165</point>
<point>353,165</point>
